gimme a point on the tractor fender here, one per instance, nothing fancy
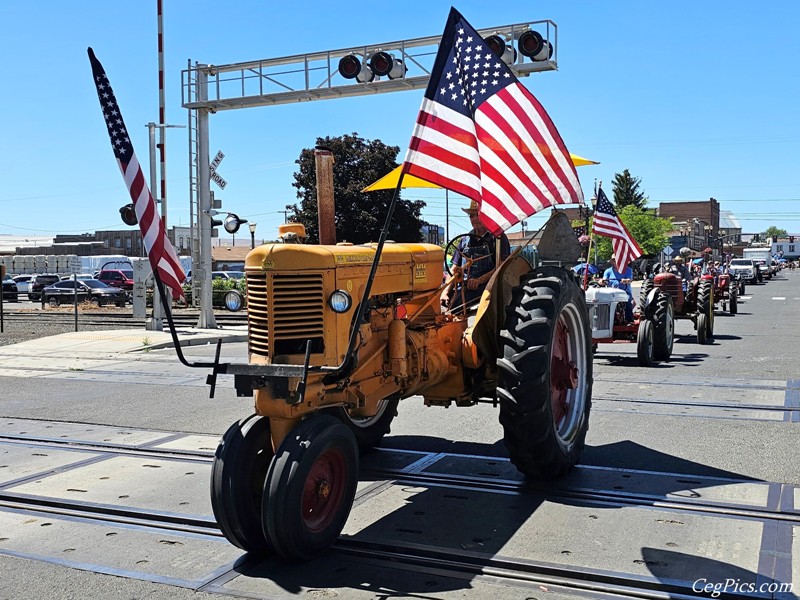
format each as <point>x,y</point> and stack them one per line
<point>649,308</point>
<point>484,332</point>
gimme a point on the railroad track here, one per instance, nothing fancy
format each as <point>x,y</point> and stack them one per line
<point>115,320</point>
<point>470,482</point>
<point>413,557</point>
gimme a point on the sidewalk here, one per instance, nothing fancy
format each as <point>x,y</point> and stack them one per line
<point>120,341</point>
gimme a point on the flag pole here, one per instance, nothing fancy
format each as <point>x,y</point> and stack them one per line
<point>589,247</point>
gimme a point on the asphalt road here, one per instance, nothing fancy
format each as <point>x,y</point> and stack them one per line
<point>726,410</point>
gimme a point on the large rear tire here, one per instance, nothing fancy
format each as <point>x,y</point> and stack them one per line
<point>733,300</point>
<point>663,327</point>
<point>237,482</point>
<point>369,431</point>
<point>310,487</point>
<point>545,373</point>
<point>647,285</point>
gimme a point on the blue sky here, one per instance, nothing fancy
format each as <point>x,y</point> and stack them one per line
<point>698,99</point>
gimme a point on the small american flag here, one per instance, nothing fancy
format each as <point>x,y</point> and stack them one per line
<point>608,224</point>
<point>579,230</point>
<point>160,252</point>
<point>482,134</point>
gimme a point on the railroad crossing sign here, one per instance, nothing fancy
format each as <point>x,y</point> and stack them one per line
<point>216,177</point>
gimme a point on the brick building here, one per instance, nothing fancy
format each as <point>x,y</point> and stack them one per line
<point>686,212</point>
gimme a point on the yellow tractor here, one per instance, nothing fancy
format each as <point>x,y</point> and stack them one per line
<point>338,338</point>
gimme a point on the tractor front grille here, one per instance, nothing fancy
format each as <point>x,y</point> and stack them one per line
<point>284,312</point>
<point>258,313</point>
<point>600,317</point>
<point>670,284</point>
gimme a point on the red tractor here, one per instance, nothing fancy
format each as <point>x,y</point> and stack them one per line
<point>693,299</point>
<point>726,291</point>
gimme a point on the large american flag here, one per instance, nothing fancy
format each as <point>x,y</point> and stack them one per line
<point>607,223</point>
<point>160,251</point>
<point>482,134</point>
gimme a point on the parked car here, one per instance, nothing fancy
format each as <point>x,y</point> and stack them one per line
<point>83,276</point>
<point>230,274</point>
<point>121,278</point>
<point>22,282</point>
<point>38,283</point>
<point>90,290</point>
<point>10,291</point>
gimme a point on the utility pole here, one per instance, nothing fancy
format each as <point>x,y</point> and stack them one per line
<point>206,319</point>
<point>156,323</point>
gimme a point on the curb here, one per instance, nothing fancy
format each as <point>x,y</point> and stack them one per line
<point>192,342</point>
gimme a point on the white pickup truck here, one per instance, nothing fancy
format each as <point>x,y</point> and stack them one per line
<point>744,268</point>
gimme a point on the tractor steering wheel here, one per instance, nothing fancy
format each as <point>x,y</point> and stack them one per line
<point>474,241</point>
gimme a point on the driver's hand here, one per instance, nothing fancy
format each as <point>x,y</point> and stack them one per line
<point>473,284</point>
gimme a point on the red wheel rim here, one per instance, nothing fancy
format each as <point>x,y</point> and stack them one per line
<point>324,489</point>
<point>563,373</point>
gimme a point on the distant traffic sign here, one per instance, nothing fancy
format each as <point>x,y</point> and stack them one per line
<point>668,250</point>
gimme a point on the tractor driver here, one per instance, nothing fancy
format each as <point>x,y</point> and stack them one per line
<point>482,254</point>
<point>681,270</point>
<point>621,280</point>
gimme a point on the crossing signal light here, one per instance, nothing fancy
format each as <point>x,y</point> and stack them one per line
<point>534,46</point>
<point>500,48</point>
<point>233,222</point>
<point>128,214</point>
<point>384,64</point>
<point>351,67</point>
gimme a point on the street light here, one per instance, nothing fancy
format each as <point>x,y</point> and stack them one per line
<point>252,227</point>
<point>708,229</point>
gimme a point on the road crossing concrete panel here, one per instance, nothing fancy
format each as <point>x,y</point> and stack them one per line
<point>644,484</point>
<point>756,393</point>
<point>166,486</point>
<point>154,555</point>
<point>18,461</point>
<point>336,575</point>
<point>688,410</point>
<point>643,542</point>
<point>191,443</point>
<point>79,432</point>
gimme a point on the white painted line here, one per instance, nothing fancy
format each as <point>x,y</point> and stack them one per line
<point>779,298</point>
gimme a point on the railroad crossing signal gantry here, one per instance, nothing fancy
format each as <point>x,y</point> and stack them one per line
<point>360,70</point>
<point>356,71</point>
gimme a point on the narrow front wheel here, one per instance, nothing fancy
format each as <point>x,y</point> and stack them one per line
<point>237,482</point>
<point>644,343</point>
<point>310,487</point>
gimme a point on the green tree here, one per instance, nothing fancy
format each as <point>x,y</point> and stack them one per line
<point>649,231</point>
<point>774,232</point>
<point>359,215</point>
<point>626,191</point>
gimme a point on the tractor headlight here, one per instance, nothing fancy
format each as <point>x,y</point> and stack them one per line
<point>340,301</point>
